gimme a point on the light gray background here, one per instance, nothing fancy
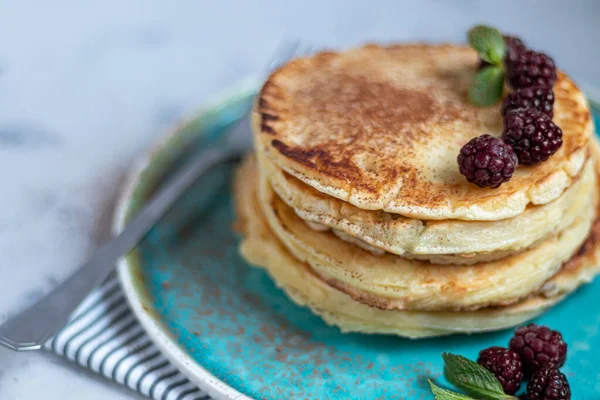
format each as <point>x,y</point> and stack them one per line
<point>86,86</point>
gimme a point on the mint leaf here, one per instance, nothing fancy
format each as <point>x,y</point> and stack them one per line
<point>444,394</point>
<point>487,87</point>
<point>472,378</point>
<point>488,43</point>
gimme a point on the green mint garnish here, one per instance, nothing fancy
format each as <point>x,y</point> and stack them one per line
<point>488,43</point>
<point>471,377</point>
<point>487,87</point>
<point>444,394</point>
<point>489,83</point>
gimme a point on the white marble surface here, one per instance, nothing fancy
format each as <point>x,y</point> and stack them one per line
<point>85,86</point>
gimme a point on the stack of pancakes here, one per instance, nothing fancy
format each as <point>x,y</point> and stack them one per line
<point>354,204</point>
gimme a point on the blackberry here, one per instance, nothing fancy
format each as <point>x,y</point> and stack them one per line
<point>548,384</point>
<point>487,161</point>
<point>514,47</point>
<point>505,364</point>
<point>532,135</point>
<point>531,69</point>
<point>538,347</point>
<point>540,98</point>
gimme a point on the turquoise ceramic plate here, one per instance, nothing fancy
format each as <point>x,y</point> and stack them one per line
<point>230,330</point>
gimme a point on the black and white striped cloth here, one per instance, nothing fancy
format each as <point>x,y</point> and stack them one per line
<point>105,337</point>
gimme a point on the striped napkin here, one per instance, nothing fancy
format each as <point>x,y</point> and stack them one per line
<point>105,337</point>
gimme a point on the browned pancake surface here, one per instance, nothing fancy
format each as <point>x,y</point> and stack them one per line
<point>381,127</point>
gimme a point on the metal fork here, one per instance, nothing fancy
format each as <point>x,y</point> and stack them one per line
<point>33,327</point>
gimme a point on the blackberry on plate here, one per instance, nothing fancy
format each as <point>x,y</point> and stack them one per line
<point>531,69</point>
<point>532,135</point>
<point>514,47</point>
<point>487,161</point>
<point>505,364</point>
<point>538,347</point>
<point>548,384</point>
<point>540,98</point>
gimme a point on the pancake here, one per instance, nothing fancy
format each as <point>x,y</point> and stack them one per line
<point>393,282</point>
<point>381,127</point>
<point>448,241</point>
<point>261,248</point>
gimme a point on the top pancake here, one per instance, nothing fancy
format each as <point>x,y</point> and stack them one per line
<point>381,127</point>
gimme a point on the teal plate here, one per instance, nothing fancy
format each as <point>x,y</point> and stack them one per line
<point>235,334</point>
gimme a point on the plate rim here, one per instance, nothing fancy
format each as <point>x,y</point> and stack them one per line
<point>126,266</point>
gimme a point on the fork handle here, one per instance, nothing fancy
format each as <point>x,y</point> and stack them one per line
<point>33,327</point>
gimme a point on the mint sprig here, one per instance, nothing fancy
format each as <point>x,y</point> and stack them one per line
<point>487,87</point>
<point>488,43</point>
<point>471,377</point>
<point>445,394</point>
